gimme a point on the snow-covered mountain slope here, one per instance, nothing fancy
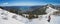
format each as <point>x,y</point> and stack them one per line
<point>55,19</point>
<point>11,18</point>
<point>6,18</point>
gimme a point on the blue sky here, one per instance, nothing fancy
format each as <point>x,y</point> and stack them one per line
<point>27,2</point>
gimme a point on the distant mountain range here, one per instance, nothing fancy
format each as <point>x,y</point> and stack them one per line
<point>22,8</point>
<point>28,9</point>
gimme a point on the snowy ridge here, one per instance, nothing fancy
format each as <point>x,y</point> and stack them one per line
<point>6,18</point>
<point>11,18</point>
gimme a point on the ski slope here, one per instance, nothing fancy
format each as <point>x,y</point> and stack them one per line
<point>6,18</point>
<point>11,18</point>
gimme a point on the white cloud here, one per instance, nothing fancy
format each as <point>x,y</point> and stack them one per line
<point>5,3</point>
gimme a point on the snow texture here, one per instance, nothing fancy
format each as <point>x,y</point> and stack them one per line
<point>11,18</point>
